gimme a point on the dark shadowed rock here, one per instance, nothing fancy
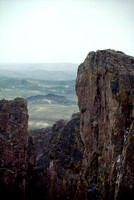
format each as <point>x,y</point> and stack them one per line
<point>105,85</point>
<point>57,169</point>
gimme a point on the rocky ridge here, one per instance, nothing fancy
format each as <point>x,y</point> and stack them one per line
<point>90,156</point>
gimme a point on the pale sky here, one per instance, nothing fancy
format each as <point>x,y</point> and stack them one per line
<point>64,30</point>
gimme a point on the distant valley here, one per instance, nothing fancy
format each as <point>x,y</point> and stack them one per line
<point>50,94</point>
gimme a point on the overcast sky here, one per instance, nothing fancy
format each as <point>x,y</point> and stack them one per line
<point>64,30</point>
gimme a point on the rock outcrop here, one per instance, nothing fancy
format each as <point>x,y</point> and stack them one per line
<point>13,148</point>
<point>105,90</point>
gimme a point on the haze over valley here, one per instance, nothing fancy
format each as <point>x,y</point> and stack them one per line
<point>50,94</point>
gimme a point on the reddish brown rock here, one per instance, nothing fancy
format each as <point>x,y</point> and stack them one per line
<point>13,148</point>
<point>105,90</point>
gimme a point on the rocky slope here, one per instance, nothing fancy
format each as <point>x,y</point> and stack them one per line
<point>105,89</point>
<point>13,148</point>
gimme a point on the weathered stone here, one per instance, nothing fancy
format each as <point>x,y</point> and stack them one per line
<point>13,148</point>
<point>104,86</point>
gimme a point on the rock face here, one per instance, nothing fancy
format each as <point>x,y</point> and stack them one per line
<point>13,148</point>
<point>105,90</point>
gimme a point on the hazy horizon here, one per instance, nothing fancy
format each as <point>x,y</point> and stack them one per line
<point>67,67</point>
<point>63,31</point>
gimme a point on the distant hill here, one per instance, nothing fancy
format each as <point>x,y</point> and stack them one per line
<point>28,87</point>
<point>50,99</point>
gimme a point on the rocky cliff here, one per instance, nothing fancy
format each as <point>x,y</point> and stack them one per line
<point>105,90</point>
<point>90,157</point>
<point>13,148</point>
